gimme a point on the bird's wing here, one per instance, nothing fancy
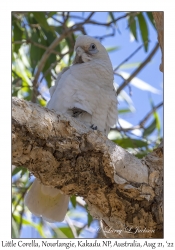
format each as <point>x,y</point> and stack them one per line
<point>97,91</point>
<point>74,91</point>
<point>112,113</point>
<point>52,89</point>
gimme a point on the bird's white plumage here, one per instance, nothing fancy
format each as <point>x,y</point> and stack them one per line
<point>87,85</point>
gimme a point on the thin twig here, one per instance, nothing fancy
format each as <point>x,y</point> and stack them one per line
<point>149,114</point>
<point>89,17</point>
<point>66,17</point>
<point>129,57</point>
<point>113,21</point>
<point>118,74</point>
<point>142,65</point>
<point>78,17</point>
<point>107,35</point>
<point>36,44</point>
<point>142,122</point>
<point>56,20</point>
<point>54,64</point>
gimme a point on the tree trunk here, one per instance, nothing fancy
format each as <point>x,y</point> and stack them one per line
<point>159,21</point>
<point>121,190</point>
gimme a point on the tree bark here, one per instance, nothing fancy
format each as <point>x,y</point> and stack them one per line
<point>124,192</point>
<point>159,22</point>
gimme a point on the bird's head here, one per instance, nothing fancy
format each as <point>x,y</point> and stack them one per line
<point>88,48</point>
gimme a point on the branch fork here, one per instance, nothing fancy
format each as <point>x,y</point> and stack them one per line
<point>120,190</point>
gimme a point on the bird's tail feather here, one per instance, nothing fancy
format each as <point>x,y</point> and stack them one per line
<point>47,202</point>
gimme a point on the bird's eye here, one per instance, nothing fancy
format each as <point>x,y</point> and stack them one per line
<point>92,46</point>
<point>93,49</point>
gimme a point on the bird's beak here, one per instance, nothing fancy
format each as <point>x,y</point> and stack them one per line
<point>78,57</point>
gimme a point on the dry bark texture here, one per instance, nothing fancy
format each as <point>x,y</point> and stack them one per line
<point>159,21</point>
<point>121,190</point>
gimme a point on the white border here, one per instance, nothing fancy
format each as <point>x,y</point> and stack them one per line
<point>5,90</point>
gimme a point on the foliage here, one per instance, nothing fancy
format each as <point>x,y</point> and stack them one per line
<point>32,35</point>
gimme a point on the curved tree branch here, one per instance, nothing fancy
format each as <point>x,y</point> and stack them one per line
<point>121,190</point>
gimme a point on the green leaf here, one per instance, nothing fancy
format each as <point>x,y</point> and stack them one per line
<point>20,75</point>
<point>112,17</point>
<point>51,13</point>
<point>42,102</point>
<point>156,116</point>
<point>150,16</point>
<point>124,111</point>
<point>15,91</point>
<point>111,49</point>
<point>150,128</point>
<point>26,222</point>
<point>140,155</point>
<point>59,29</point>
<point>17,170</point>
<point>24,171</point>
<point>130,143</point>
<point>130,65</point>
<point>67,231</point>
<point>41,19</point>
<point>90,219</point>
<point>57,233</point>
<point>71,53</point>
<point>143,30</point>
<point>17,35</point>
<point>132,25</point>
<point>52,57</point>
<point>158,125</point>
<point>15,230</point>
<point>73,201</point>
<point>69,43</point>
<point>50,37</point>
<point>17,82</point>
<point>25,93</point>
<point>35,52</point>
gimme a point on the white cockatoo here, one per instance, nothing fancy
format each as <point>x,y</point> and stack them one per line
<point>85,91</point>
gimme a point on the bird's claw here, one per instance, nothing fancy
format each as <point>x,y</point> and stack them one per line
<point>93,127</point>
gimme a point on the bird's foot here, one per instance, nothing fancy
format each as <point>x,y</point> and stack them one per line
<point>93,127</point>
